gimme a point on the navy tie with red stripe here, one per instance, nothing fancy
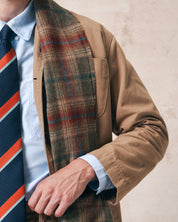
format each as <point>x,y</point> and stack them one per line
<point>12,191</point>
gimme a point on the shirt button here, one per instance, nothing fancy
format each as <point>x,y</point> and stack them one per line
<point>16,38</point>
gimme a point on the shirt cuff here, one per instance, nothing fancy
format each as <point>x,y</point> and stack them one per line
<point>103,182</point>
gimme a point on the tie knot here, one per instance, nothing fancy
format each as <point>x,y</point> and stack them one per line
<point>6,33</point>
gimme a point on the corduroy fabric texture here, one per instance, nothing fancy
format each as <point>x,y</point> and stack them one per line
<point>70,94</point>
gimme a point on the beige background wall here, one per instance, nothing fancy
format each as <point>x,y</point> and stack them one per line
<point>148,33</point>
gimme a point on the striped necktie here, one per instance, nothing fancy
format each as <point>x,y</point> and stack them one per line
<point>12,202</point>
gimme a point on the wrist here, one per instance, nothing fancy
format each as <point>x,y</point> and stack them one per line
<point>86,169</point>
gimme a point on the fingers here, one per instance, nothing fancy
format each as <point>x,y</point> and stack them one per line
<point>40,198</point>
<point>34,200</point>
<point>41,204</point>
<point>51,206</point>
<point>64,204</point>
<point>44,200</point>
<point>48,205</point>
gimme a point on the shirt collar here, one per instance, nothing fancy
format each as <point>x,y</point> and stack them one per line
<point>23,23</point>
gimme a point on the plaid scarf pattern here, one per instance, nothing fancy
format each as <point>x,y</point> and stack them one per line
<point>69,80</point>
<point>70,99</point>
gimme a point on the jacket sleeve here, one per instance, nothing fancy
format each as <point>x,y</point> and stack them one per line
<point>141,132</point>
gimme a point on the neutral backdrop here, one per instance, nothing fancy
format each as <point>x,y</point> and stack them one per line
<point>148,33</point>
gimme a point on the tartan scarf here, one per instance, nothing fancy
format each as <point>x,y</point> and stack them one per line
<point>70,100</point>
<point>69,80</point>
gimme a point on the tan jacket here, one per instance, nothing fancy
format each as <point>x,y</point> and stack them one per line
<point>123,107</point>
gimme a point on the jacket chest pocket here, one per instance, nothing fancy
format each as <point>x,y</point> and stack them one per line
<point>102,84</point>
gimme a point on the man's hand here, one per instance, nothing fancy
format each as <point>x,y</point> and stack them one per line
<point>58,191</point>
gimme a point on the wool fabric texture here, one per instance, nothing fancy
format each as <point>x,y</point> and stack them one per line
<point>70,99</point>
<point>69,81</point>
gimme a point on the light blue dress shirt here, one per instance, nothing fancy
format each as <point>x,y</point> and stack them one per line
<point>35,161</point>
